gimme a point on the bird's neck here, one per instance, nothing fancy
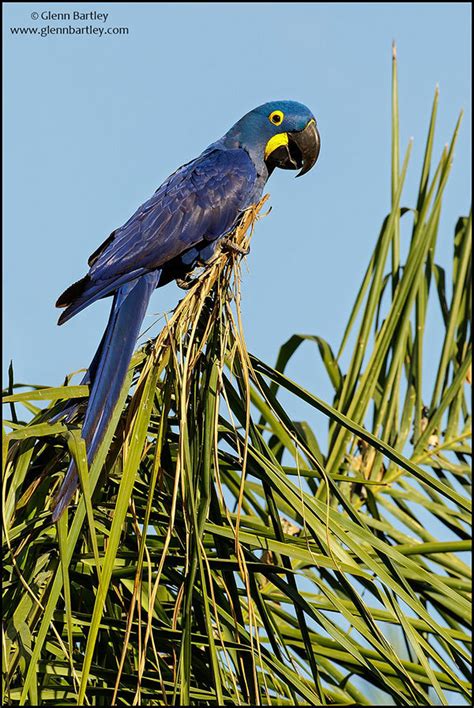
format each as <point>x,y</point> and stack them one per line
<point>245,138</point>
<point>233,141</point>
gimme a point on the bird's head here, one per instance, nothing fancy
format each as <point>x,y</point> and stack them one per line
<point>279,133</point>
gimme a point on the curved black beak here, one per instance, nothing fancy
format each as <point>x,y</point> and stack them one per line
<point>307,143</point>
<point>300,153</point>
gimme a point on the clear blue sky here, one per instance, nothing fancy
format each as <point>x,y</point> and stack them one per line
<point>94,124</point>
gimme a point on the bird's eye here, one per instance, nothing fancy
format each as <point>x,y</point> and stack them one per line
<point>276,117</point>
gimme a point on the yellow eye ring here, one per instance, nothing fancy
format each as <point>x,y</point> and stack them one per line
<point>276,117</point>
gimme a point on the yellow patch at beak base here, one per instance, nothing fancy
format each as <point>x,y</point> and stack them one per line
<point>275,142</point>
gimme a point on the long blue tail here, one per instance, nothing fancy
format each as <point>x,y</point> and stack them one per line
<point>108,370</point>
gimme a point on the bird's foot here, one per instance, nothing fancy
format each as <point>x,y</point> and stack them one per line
<point>186,282</point>
<point>230,245</point>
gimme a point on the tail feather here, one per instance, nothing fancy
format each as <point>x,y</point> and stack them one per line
<point>108,370</point>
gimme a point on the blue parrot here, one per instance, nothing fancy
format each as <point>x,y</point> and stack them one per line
<point>176,229</point>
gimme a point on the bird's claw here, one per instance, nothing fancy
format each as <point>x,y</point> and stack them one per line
<point>185,283</point>
<point>230,245</point>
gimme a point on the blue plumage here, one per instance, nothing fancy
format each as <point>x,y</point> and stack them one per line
<point>195,207</point>
<point>197,204</point>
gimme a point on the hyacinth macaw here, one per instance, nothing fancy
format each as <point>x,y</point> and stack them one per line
<point>176,229</point>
